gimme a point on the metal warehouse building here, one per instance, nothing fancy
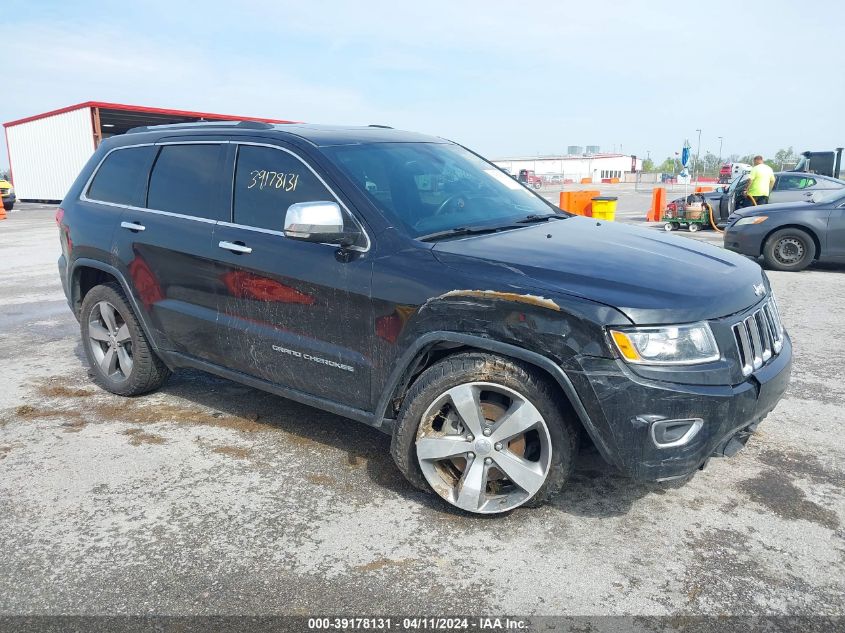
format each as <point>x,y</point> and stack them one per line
<point>47,151</point>
<point>575,167</point>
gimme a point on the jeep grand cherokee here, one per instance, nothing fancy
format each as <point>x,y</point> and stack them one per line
<point>407,283</point>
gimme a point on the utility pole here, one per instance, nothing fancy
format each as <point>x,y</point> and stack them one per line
<point>720,151</point>
<point>697,152</point>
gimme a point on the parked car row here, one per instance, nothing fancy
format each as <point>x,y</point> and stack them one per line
<point>791,235</point>
<point>790,186</point>
<point>803,222</point>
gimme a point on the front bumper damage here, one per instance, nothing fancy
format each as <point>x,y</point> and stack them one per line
<point>625,409</point>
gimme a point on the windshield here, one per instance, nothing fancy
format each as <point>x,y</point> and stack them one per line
<point>431,187</point>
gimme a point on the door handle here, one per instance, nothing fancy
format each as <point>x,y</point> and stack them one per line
<point>234,247</point>
<point>132,226</point>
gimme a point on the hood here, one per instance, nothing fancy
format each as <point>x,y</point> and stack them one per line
<point>768,209</point>
<point>650,276</point>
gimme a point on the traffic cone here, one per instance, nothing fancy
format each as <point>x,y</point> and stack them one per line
<point>658,204</point>
<point>2,211</point>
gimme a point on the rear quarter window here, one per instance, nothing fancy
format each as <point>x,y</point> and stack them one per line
<point>825,184</point>
<point>793,183</point>
<point>122,177</point>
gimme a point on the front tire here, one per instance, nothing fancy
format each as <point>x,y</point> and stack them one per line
<point>484,433</point>
<point>789,250</point>
<point>121,359</point>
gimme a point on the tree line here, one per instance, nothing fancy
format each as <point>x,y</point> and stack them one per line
<point>709,163</point>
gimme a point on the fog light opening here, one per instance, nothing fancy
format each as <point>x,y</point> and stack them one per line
<point>669,433</point>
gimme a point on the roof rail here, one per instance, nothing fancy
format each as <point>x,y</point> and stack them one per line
<point>384,127</point>
<point>247,125</point>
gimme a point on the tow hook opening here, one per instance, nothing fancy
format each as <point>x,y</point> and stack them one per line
<point>736,442</point>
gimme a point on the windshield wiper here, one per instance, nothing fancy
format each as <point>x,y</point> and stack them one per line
<point>541,217</point>
<point>465,230</point>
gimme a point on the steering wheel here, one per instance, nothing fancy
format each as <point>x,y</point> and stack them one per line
<point>442,208</point>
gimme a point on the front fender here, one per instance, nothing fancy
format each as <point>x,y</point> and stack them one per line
<point>550,333</point>
<point>417,350</point>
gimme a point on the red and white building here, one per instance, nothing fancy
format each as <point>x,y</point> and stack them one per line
<point>47,151</point>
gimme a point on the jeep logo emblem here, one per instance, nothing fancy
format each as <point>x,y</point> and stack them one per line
<point>759,289</point>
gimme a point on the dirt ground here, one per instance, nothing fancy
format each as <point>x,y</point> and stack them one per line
<point>209,497</point>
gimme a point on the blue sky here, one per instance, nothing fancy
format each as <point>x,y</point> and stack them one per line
<point>504,78</point>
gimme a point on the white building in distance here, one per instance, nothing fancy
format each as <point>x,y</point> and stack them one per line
<point>596,167</point>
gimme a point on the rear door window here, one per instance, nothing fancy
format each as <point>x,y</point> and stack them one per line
<point>794,182</point>
<point>122,178</point>
<point>267,182</point>
<point>185,179</point>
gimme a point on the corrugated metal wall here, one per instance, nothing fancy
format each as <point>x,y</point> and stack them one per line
<point>46,155</point>
<point>575,168</point>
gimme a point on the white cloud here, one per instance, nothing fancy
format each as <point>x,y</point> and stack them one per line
<point>125,66</point>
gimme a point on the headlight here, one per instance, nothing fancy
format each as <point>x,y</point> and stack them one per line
<point>752,220</point>
<point>667,345</point>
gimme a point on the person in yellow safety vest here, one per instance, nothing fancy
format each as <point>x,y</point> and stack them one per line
<point>761,181</point>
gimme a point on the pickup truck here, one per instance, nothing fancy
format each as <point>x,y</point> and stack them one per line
<point>528,177</point>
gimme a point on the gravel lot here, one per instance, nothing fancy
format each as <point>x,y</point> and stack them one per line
<point>208,497</point>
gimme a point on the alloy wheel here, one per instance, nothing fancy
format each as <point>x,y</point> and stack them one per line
<point>110,341</point>
<point>484,447</point>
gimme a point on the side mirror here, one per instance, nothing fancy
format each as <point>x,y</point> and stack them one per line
<point>317,222</point>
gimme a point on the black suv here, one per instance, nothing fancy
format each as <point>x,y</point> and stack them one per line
<point>405,282</point>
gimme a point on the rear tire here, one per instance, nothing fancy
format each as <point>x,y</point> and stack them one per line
<point>789,249</point>
<point>694,227</point>
<point>121,358</point>
<point>514,469</point>
<point>669,226</point>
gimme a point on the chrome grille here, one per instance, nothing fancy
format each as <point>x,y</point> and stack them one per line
<point>759,336</point>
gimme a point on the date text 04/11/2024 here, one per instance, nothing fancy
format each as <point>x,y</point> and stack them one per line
<point>418,624</point>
